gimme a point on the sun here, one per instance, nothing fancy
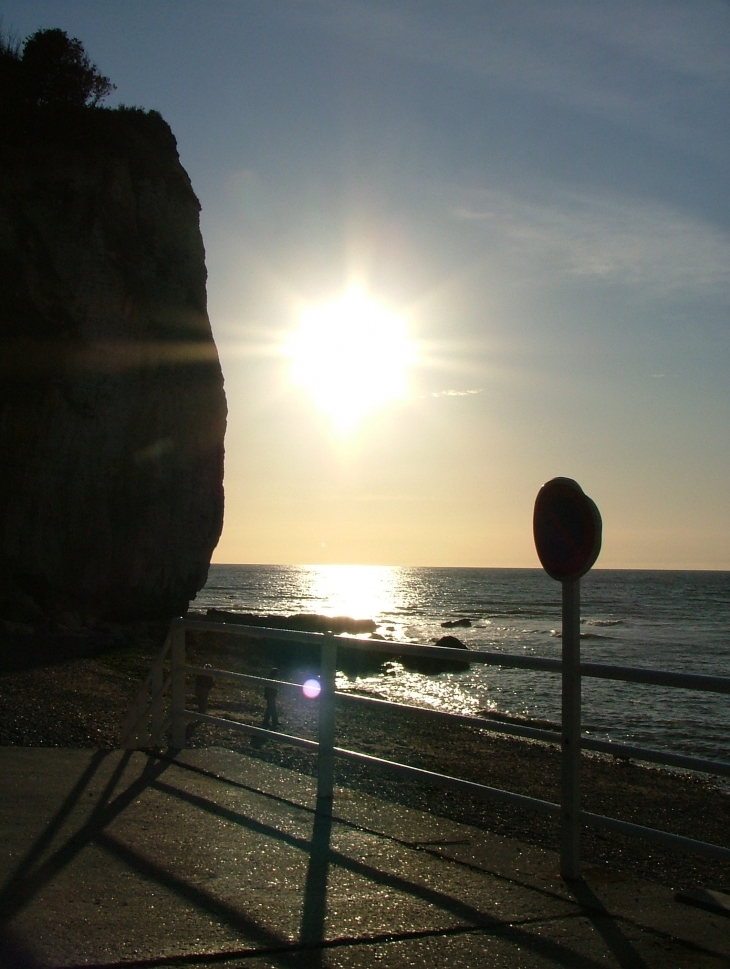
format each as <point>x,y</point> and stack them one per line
<point>352,356</point>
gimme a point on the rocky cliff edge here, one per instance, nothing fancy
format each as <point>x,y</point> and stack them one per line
<point>112,410</point>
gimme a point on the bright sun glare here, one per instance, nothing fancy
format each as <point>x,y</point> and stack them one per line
<point>352,356</point>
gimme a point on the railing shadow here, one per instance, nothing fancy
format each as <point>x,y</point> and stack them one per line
<point>198,897</point>
<point>605,925</point>
<point>314,908</point>
<point>38,868</point>
<point>30,878</point>
<point>56,823</point>
<point>313,941</point>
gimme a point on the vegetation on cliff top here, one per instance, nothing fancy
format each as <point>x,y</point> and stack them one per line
<point>51,69</point>
<point>51,93</point>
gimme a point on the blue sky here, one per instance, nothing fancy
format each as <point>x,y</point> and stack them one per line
<point>539,187</point>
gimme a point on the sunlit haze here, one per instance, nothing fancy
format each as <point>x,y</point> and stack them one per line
<point>454,250</point>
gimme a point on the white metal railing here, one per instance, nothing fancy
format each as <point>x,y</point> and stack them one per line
<point>147,725</point>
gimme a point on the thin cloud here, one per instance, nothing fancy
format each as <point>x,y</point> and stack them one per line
<point>465,214</point>
<point>619,239</point>
<point>456,393</point>
<point>678,37</point>
<point>508,47</point>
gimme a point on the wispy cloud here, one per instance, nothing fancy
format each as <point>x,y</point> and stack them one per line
<point>467,214</point>
<point>456,393</point>
<point>691,39</point>
<point>619,239</point>
<point>600,58</point>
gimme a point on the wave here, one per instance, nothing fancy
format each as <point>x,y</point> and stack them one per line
<point>602,622</point>
<point>557,633</point>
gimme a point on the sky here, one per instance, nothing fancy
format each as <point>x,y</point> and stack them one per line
<point>532,195</point>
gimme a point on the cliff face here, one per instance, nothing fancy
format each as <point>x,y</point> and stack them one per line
<point>112,411</point>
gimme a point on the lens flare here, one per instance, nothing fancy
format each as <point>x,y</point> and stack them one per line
<point>311,689</point>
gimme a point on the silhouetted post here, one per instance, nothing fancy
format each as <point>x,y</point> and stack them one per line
<point>570,766</point>
<point>326,758</point>
<point>177,649</point>
<point>567,527</point>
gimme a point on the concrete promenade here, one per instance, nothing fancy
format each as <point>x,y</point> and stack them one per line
<point>215,859</point>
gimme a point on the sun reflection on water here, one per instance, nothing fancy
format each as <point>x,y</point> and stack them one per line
<point>375,592</point>
<point>359,591</point>
<point>443,692</point>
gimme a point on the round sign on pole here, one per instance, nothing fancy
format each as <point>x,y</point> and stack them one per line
<point>567,529</point>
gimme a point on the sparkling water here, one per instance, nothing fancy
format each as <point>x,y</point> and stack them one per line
<point>664,620</point>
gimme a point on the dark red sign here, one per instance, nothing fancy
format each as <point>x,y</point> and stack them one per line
<point>567,529</point>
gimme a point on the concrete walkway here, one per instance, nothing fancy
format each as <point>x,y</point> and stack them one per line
<point>215,859</point>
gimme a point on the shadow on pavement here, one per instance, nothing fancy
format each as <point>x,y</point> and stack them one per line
<point>308,951</point>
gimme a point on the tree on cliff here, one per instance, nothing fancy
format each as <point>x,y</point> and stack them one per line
<point>53,70</point>
<point>10,60</point>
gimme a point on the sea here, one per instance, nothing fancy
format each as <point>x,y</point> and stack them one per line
<point>659,619</point>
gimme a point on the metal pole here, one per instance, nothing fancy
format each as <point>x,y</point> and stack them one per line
<point>570,767</point>
<point>177,688</point>
<point>326,758</point>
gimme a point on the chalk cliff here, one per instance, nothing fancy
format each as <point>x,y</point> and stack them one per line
<point>112,410</point>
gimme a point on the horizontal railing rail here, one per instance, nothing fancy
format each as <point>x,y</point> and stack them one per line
<point>646,676</point>
<point>243,678</point>
<point>631,674</point>
<point>664,757</point>
<point>253,731</point>
<point>326,749</point>
<point>611,747</point>
<point>654,834</point>
<point>463,719</point>
<point>638,674</point>
<point>453,783</point>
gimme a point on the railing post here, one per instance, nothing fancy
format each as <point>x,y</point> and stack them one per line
<point>570,766</point>
<point>177,689</point>
<point>157,709</point>
<point>326,757</point>
<point>134,731</point>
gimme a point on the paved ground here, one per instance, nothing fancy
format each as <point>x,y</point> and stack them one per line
<point>214,859</point>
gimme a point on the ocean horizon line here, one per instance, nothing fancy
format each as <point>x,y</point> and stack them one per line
<point>491,568</point>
